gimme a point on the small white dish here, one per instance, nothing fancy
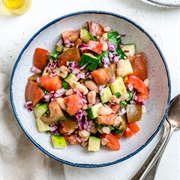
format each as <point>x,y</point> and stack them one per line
<point>157,106</point>
<point>163,3</point>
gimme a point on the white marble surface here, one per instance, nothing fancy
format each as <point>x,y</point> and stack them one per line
<point>162,24</point>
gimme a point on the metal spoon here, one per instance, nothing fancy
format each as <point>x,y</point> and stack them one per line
<point>173,119</point>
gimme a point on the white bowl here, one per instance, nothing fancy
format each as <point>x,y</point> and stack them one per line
<point>157,106</point>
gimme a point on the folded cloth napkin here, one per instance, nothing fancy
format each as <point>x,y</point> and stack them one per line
<point>19,157</point>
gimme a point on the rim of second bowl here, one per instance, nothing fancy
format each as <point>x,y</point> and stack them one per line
<point>79,164</point>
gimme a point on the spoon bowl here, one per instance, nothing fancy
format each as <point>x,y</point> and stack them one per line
<point>174,113</point>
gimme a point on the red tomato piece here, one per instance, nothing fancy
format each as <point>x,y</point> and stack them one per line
<point>139,65</point>
<point>33,92</point>
<point>128,133</point>
<point>133,127</point>
<point>112,141</point>
<point>95,46</point>
<point>70,54</point>
<point>101,76</point>
<point>95,29</point>
<point>139,85</point>
<point>50,83</point>
<point>71,138</point>
<point>40,59</point>
<point>73,104</point>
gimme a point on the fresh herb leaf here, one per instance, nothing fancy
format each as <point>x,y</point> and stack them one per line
<point>130,96</point>
<point>118,94</point>
<point>123,104</point>
<point>54,55</point>
<point>120,53</point>
<point>114,37</point>
<point>65,85</point>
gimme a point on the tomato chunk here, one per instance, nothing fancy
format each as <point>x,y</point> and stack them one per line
<point>73,104</point>
<point>95,46</point>
<point>132,128</point>
<point>112,141</point>
<point>33,92</point>
<point>139,65</point>
<point>40,59</point>
<point>101,76</point>
<point>95,29</point>
<point>139,85</point>
<point>70,54</point>
<point>50,83</point>
<point>70,35</point>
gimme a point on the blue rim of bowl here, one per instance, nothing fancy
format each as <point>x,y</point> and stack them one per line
<point>79,164</point>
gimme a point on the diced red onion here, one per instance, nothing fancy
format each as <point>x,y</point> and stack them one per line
<point>82,101</point>
<point>123,34</point>
<point>122,111</point>
<point>35,70</point>
<point>52,74</point>
<point>29,105</point>
<point>59,92</point>
<point>126,51</point>
<point>79,115</point>
<point>77,92</point>
<point>75,71</point>
<point>111,46</point>
<point>81,75</point>
<point>68,43</point>
<point>38,80</point>
<point>101,87</point>
<point>83,47</point>
<point>132,102</point>
<point>142,102</point>
<point>111,80</point>
<point>53,127</point>
<point>130,87</point>
<point>52,65</point>
<point>73,65</point>
<point>115,59</point>
<point>47,97</point>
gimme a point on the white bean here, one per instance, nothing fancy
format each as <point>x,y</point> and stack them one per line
<point>106,130</point>
<point>61,103</point>
<point>120,71</point>
<point>63,71</point>
<point>69,92</point>
<point>115,99</point>
<point>117,121</point>
<point>81,88</point>
<point>144,109</point>
<point>91,97</point>
<point>105,36</point>
<point>92,86</point>
<point>147,82</point>
<point>107,28</point>
<point>120,63</point>
<point>105,110</point>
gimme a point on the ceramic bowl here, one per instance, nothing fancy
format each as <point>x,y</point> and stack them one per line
<point>157,106</point>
